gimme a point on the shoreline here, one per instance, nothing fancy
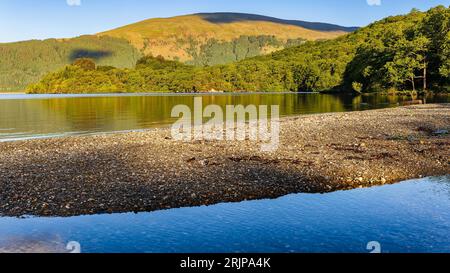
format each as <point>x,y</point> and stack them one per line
<point>148,171</point>
<point>12,96</point>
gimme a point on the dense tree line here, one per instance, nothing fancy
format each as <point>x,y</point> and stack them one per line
<point>408,52</point>
<point>26,62</point>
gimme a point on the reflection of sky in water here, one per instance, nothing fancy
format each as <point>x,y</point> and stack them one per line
<point>412,216</point>
<point>24,116</point>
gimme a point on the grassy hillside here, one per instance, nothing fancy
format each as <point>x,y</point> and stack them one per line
<point>22,63</point>
<point>183,38</point>
<point>202,39</point>
<point>407,52</point>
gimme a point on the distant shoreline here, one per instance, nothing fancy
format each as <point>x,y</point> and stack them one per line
<point>124,94</point>
<point>13,93</point>
<point>148,171</point>
<point>149,94</point>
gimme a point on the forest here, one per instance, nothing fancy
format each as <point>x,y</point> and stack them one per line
<point>26,62</point>
<point>400,53</point>
<point>216,52</point>
<point>22,63</point>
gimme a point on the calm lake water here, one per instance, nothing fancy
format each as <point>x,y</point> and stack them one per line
<point>34,116</point>
<point>413,216</point>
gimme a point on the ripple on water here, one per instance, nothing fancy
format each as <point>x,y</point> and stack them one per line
<point>413,216</point>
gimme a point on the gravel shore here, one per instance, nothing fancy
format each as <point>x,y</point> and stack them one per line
<point>147,171</point>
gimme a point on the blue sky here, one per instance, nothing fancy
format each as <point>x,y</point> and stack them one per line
<point>40,19</point>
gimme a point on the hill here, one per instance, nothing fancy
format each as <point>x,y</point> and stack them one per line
<point>25,62</point>
<point>227,17</point>
<point>218,38</point>
<point>406,52</point>
<point>201,39</point>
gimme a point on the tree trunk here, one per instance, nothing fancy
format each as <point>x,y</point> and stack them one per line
<point>425,77</point>
<point>413,84</point>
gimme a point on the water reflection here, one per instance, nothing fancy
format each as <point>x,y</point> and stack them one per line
<point>43,243</point>
<point>71,115</point>
<point>412,216</point>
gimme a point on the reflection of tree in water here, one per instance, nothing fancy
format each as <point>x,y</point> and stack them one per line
<point>100,114</point>
<point>28,117</point>
<point>139,112</point>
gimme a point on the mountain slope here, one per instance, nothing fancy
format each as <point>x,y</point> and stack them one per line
<point>226,17</point>
<point>184,38</point>
<point>24,62</point>
<point>406,52</point>
<point>201,39</point>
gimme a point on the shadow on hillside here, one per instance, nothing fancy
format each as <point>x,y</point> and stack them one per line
<point>86,53</point>
<point>226,18</point>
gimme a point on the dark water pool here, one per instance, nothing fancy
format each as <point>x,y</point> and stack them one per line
<point>413,216</point>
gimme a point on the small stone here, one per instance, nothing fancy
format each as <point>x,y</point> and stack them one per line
<point>440,132</point>
<point>204,162</point>
<point>192,159</point>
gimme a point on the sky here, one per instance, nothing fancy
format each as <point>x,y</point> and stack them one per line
<point>41,19</point>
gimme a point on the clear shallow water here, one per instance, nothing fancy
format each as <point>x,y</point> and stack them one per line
<point>36,116</point>
<point>412,216</point>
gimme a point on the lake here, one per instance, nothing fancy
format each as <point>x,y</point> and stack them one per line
<point>35,116</point>
<point>413,216</point>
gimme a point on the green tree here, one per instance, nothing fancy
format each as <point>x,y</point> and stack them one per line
<point>436,27</point>
<point>409,58</point>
